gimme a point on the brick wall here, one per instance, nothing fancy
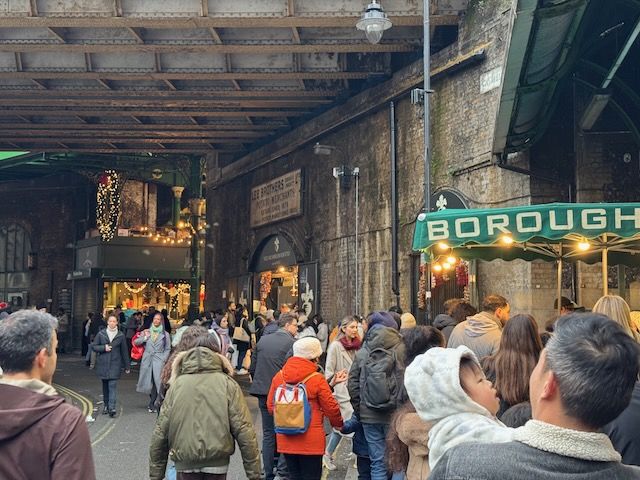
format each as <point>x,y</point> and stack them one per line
<point>463,120</point>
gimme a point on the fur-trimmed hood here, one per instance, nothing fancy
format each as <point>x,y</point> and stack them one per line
<point>198,360</point>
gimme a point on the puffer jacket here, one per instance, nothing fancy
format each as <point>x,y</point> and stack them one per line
<point>322,403</point>
<point>202,417</point>
<point>481,333</point>
<point>380,337</point>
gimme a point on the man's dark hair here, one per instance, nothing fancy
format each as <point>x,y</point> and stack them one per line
<point>596,365</point>
<point>493,302</point>
<point>462,310</point>
<point>396,309</point>
<point>22,335</point>
<point>517,415</point>
<point>286,318</point>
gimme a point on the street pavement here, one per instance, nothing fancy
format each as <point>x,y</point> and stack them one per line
<point>121,444</point>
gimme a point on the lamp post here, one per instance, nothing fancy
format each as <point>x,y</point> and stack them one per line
<point>343,173</point>
<point>374,22</point>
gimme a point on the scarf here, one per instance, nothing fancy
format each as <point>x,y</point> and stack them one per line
<point>155,331</point>
<point>112,333</point>
<point>354,344</point>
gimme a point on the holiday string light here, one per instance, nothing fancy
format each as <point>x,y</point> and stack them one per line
<point>110,185</point>
<point>134,290</point>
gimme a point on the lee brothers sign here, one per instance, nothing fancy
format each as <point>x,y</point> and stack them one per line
<point>550,221</point>
<point>277,199</point>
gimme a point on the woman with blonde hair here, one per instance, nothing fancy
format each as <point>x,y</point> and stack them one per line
<point>617,310</point>
<point>340,356</point>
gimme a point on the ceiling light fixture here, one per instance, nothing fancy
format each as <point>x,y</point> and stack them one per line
<point>374,22</point>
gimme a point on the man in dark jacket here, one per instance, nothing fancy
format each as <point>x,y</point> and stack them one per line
<point>382,334</point>
<point>583,380</point>
<point>41,436</point>
<point>271,353</point>
<point>624,433</point>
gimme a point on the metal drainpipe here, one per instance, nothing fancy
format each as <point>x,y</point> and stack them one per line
<point>395,274</point>
<point>356,173</point>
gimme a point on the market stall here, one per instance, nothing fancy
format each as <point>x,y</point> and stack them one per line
<point>600,232</point>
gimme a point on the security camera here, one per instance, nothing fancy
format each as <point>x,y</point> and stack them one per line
<point>626,158</point>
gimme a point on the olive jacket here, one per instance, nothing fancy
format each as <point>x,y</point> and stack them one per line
<point>203,415</point>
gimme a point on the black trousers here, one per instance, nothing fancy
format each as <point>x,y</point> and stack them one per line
<point>304,467</point>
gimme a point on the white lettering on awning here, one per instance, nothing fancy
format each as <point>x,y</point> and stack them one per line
<point>596,222</point>
<point>438,230</point>
<point>553,221</point>
<point>619,218</point>
<point>474,221</point>
<point>537,222</point>
<point>497,222</point>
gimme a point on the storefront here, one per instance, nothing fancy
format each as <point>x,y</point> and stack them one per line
<point>134,272</point>
<point>277,276</point>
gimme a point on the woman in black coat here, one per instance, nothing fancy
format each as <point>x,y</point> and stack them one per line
<point>111,346</point>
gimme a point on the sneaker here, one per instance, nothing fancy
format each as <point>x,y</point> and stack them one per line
<point>327,461</point>
<point>105,410</point>
<point>112,413</point>
<point>151,410</point>
<point>242,371</point>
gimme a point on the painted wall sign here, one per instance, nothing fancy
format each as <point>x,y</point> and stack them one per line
<point>490,80</point>
<point>276,200</point>
<point>276,252</point>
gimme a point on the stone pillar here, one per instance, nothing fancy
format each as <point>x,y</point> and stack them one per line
<point>177,195</point>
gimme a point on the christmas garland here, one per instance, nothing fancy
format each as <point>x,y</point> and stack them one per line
<point>134,290</point>
<point>110,184</point>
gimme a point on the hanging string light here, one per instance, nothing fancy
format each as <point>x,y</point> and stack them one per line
<point>131,289</point>
<point>110,184</point>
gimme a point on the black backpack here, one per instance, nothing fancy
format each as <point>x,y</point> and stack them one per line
<point>381,380</point>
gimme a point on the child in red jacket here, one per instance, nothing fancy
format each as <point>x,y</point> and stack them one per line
<point>303,452</point>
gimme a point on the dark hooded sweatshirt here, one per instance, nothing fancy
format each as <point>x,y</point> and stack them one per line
<point>41,436</point>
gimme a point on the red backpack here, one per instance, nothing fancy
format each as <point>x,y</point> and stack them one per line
<point>136,350</point>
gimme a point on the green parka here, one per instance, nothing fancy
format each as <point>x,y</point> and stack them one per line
<point>203,414</point>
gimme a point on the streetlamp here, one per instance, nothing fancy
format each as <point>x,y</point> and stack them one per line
<point>343,173</point>
<point>374,22</point>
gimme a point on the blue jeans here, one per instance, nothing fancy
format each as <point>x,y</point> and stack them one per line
<point>376,433</point>
<point>269,453</point>
<point>109,394</point>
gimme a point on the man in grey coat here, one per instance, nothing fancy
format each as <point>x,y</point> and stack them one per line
<point>583,380</point>
<point>481,333</point>
<point>270,354</point>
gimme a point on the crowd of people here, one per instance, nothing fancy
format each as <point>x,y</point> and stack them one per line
<point>479,395</point>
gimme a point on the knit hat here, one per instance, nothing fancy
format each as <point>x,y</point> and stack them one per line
<point>307,347</point>
<point>408,320</point>
<point>382,319</point>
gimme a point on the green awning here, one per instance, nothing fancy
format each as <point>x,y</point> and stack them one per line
<point>570,231</point>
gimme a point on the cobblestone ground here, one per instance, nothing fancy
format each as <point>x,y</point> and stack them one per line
<point>121,444</point>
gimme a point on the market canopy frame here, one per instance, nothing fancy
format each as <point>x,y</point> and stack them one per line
<point>587,232</point>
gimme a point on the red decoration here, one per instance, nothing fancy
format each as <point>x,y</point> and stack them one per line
<point>462,274</point>
<point>103,179</point>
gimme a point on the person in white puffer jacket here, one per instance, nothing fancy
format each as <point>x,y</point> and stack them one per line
<point>448,388</point>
